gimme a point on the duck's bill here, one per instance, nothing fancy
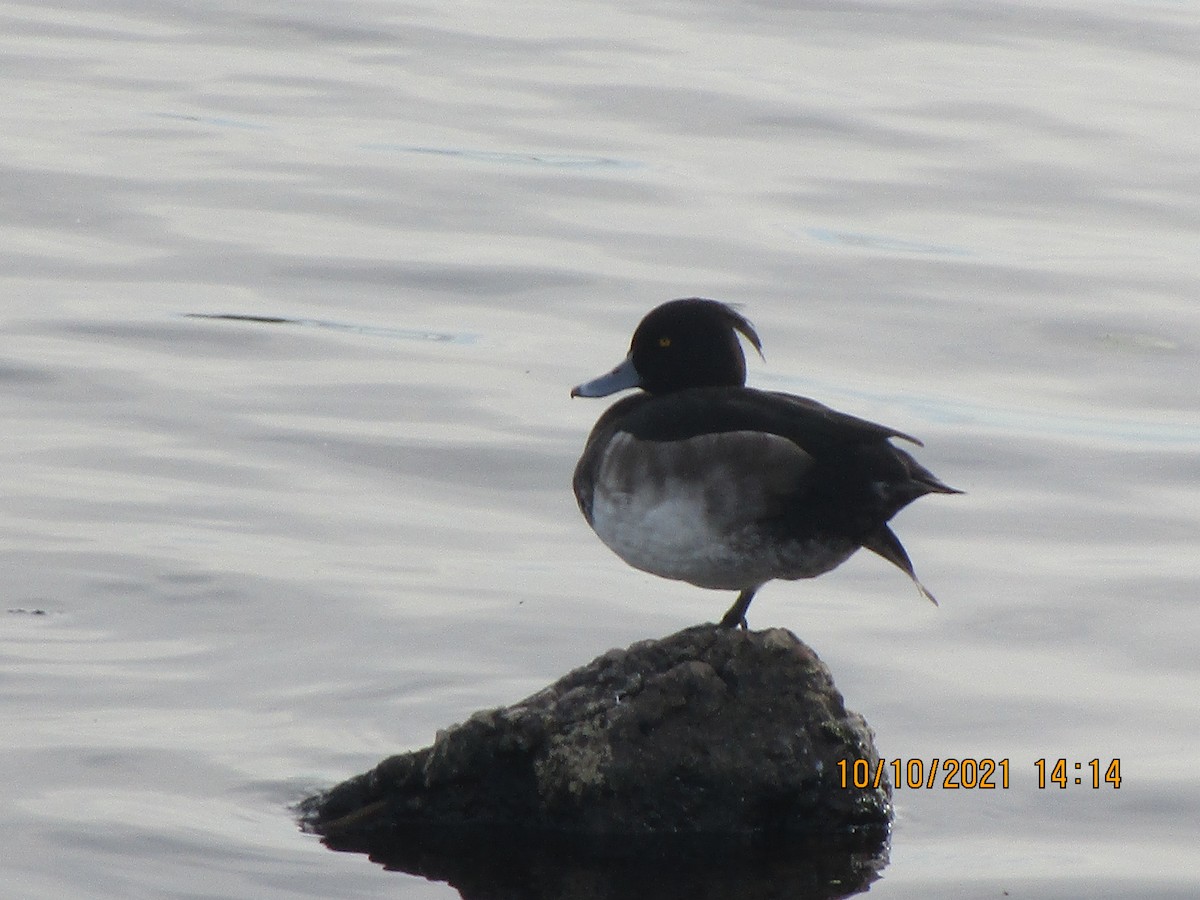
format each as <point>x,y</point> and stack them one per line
<point>621,378</point>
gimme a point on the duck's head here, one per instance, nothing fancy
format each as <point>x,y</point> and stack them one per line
<point>682,344</point>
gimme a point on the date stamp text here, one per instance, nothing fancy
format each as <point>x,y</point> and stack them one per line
<point>971,773</point>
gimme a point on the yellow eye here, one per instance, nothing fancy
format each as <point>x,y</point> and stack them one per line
<point>664,342</point>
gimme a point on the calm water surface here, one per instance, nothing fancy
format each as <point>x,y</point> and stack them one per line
<point>244,560</point>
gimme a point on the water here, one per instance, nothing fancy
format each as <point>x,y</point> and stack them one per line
<point>243,560</point>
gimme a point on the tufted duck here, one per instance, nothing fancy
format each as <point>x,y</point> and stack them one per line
<point>701,479</point>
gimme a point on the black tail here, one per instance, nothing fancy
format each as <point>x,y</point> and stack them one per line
<point>884,542</point>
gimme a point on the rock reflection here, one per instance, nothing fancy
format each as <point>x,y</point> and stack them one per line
<point>481,868</point>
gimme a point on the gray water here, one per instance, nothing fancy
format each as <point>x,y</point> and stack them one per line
<point>244,560</point>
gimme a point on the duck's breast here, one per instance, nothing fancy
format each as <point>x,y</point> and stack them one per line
<point>698,509</point>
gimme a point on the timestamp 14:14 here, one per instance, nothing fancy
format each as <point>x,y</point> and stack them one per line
<point>1063,772</point>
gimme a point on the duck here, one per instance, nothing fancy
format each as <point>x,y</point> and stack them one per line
<point>701,479</point>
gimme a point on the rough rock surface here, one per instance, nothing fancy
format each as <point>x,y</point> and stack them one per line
<point>709,732</point>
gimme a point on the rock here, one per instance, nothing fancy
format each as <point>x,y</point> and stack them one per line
<point>708,735</point>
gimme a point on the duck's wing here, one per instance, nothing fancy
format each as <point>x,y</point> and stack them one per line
<point>818,417</point>
<point>685,414</point>
<point>750,450</point>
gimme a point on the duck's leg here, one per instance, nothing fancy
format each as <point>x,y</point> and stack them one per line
<point>737,613</point>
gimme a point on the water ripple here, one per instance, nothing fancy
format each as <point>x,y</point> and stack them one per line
<point>403,334</point>
<point>550,160</point>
